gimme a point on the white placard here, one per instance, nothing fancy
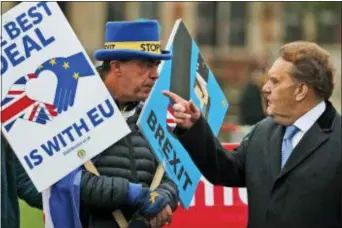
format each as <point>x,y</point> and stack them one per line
<point>56,113</point>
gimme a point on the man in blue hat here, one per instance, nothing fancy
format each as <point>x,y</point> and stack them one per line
<point>129,70</point>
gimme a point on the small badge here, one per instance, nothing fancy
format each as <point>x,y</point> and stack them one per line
<point>81,154</point>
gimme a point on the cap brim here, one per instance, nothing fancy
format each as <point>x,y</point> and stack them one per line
<point>123,54</point>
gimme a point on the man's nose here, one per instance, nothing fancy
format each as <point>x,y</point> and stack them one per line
<point>154,73</point>
<point>266,88</point>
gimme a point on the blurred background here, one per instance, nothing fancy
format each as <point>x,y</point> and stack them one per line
<point>238,40</point>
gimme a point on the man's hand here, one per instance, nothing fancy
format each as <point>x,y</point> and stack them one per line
<point>138,222</point>
<point>186,113</point>
<point>163,218</point>
<point>150,203</point>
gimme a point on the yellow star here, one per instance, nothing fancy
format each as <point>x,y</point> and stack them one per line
<point>153,196</point>
<point>53,62</point>
<point>76,75</point>
<point>66,65</point>
<point>223,102</point>
<point>40,67</point>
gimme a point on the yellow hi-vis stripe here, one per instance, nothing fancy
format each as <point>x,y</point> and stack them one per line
<point>146,46</point>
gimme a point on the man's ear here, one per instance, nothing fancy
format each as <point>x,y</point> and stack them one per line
<point>301,91</point>
<point>116,67</point>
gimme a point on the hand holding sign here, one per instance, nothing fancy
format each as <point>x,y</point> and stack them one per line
<point>185,112</point>
<point>163,218</point>
<point>181,82</point>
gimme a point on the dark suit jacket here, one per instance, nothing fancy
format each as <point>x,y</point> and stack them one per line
<point>306,193</point>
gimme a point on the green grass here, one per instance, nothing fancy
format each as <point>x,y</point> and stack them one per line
<point>30,217</point>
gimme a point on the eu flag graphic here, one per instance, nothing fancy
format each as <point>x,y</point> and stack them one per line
<point>68,71</point>
<point>17,105</point>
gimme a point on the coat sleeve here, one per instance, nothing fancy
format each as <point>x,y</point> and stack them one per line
<point>218,165</point>
<point>103,191</point>
<point>169,189</point>
<point>25,188</point>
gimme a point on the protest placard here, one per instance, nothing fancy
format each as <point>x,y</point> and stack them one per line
<point>56,112</point>
<point>188,76</point>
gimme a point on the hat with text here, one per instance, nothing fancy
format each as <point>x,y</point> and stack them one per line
<point>127,40</point>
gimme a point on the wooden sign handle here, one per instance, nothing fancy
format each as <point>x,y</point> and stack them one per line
<point>158,176</point>
<point>118,216</point>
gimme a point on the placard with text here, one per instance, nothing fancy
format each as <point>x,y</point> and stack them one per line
<point>189,76</point>
<point>56,112</point>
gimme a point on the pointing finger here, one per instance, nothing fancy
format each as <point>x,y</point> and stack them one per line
<point>174,97</point>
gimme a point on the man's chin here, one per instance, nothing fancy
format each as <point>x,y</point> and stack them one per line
<point>269,111</point>
<point>143,96</point>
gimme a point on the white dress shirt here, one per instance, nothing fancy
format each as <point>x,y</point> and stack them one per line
<point>306,121</point>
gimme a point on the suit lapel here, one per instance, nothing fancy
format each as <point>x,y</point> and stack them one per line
<point>274,151</point>
<point>317,135</point>
<point>306,146</point>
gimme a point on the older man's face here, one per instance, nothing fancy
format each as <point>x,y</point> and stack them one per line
<point>279,92</point>
<point>137,77</point>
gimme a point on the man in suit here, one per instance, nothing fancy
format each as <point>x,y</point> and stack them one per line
<point>291,161</point>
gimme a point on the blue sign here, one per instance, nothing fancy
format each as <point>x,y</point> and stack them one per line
<point>188,76</point>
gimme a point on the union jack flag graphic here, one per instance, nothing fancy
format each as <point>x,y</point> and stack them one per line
<point>170,118</point>
<point>17,105</point>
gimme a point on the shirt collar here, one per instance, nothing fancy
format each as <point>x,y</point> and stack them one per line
<point>308,119</point>
<point>127,107</point>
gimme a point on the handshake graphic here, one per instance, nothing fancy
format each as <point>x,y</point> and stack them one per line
<point>18,105</point>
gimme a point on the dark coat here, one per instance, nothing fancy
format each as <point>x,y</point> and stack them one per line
<point>128,160</point>
<point>306,193</point>
<point>14,183</point>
